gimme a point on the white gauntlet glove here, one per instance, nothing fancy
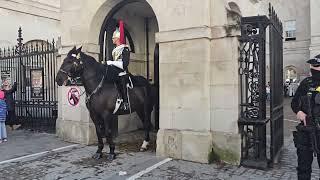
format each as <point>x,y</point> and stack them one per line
<point>118,64</point>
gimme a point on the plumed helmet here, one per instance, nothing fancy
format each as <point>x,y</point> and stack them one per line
<point>119,33</point>
<point>116,34</point>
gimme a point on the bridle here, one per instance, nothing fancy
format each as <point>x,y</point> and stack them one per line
<point>73,80</point>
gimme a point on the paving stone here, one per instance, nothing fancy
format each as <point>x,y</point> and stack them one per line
<point>76,163</point>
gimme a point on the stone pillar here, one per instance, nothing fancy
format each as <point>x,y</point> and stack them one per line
<point>184,94</point>
<point>199,89</point>
<point>184,59</point>
<point>73,123</point>
<point>185,81</point>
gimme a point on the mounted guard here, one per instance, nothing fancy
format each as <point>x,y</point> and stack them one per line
<point>121,58</point>
<point>102,93</point>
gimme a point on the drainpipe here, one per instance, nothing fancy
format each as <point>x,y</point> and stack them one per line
<point>147,45</point>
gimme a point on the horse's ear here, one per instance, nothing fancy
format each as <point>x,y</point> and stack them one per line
<point>79,49</point>
<point>74,48</point>
<point>78,56</point>
<point>79,52</point>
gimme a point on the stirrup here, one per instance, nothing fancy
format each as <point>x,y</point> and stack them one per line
<point>125,106</point>
<point>118,103</point>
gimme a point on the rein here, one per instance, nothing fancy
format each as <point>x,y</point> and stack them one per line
<point>98,87</point>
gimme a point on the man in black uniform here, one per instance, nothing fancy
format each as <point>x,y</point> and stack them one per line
<point>121,58</point>
<point>306,104</point>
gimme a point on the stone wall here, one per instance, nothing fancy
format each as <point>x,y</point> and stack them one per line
<point>39,20</point>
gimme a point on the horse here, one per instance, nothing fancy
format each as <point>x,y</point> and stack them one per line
<point>102,93</point>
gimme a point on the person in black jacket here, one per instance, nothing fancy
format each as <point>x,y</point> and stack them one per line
<point>120,62</point>
<point>306,105</point>
<point>9,90</point>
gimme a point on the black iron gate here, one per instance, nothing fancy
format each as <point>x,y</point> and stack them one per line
<point>33,67</point>
<point>253,121</point>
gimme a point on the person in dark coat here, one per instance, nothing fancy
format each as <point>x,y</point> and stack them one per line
<point>306,105</point>
<point>9,90</point>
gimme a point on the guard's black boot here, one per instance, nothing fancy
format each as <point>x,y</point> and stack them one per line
<point>124,93</point>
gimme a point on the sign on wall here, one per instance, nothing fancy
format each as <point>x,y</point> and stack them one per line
<point>36,78</point>
<point>6,75</point>
<point>73,96</point>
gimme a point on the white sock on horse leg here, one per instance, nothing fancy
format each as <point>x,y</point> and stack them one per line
<point>145,144</point>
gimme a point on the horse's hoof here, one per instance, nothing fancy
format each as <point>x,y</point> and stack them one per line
<point>111,157</point>
<point>143,149</point>
<point>97,156</point>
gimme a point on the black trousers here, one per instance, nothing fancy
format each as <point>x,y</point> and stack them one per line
<point>11,118</point>
<point>121,82</point>
<point>305,154</point>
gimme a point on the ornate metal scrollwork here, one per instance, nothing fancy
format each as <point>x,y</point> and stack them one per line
<point>252,71</point>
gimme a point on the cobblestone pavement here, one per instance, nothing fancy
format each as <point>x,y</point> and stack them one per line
<point>76,163</point>
<point>21,143</point>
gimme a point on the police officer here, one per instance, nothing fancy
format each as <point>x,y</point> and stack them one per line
<point>306,105</point>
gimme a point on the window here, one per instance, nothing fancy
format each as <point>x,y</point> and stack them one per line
<point>290,30</point>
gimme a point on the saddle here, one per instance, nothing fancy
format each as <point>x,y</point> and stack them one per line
<point>132,81</point>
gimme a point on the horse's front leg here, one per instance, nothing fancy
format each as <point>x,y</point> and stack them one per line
<point>108,119</point>
<point>99,132</point>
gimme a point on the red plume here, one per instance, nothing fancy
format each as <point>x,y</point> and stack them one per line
<point>121,29</point>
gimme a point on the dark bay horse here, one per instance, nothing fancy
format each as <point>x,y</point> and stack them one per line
<point>102,93</point>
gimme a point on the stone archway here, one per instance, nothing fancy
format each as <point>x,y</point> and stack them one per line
<point>106,10</point>
<point>141,25</point>
<point>74,124</point>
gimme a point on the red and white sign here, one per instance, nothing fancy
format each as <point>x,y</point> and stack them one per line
<point>73,96</point>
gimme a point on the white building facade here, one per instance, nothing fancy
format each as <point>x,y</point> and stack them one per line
<point>39,20</point>
<point>301,35</point>
<point>198,60</point>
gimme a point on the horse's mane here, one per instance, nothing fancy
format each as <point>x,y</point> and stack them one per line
<point>91,62</point>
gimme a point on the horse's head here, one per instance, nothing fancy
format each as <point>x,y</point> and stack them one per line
<point>71,67</point>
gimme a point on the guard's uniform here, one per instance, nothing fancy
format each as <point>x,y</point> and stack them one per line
<point>306,97</point>
<point>121,56</point>
<point>120,62</point>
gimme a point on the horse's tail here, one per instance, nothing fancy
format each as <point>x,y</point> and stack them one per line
<point>152,94</point>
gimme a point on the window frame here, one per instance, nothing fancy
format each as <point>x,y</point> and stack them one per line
<point>290,30</point>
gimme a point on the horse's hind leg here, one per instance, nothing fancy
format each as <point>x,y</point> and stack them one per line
<point>145,117</point>
<point>107,121</point>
